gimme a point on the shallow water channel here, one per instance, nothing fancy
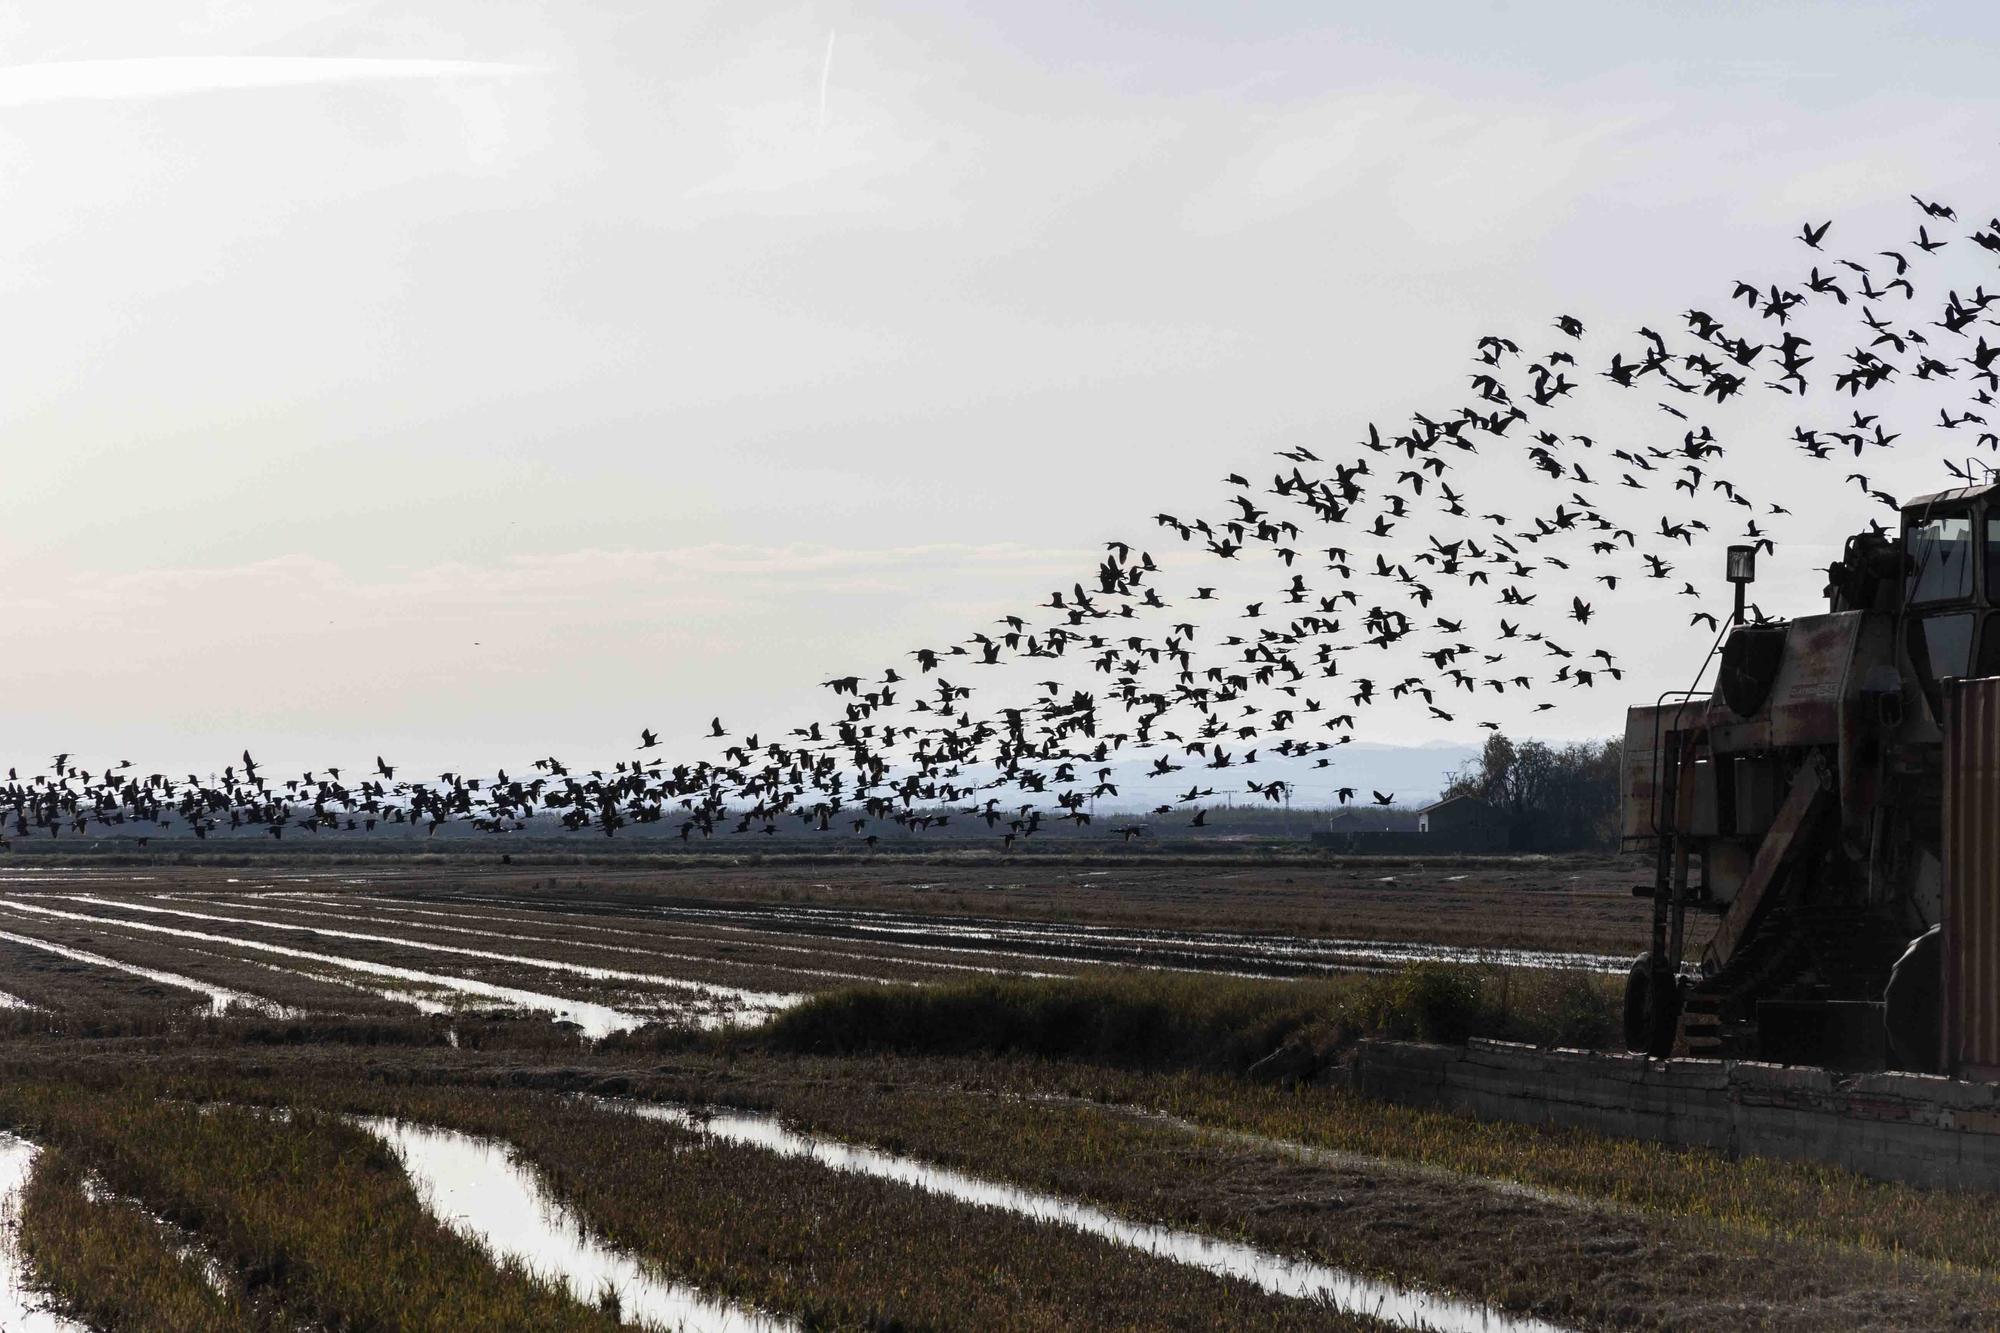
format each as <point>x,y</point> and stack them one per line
<point>748,999</point>
<point>21,1310</point>
<point>593,1020</point>
<point>220,998</point>
<point>1304,1280</point>
<point>1226,952</point>
<point>1215,948</point>
<point>476,1188</point>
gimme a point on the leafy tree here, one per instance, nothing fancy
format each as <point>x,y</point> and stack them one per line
<point>1552,798</point>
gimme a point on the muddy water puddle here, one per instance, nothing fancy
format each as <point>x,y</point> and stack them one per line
<point>1296,1278</point>
<point>475,1187</point>
<point>21,1309</point>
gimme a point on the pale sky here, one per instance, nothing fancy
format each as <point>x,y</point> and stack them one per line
<point>466,383</point>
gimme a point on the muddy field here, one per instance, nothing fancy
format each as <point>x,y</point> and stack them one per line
<point>542,1094</point>
<point>1566,904</point>
<point>606,950</point>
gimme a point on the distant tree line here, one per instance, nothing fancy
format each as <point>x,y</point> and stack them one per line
<point>1553,799</point>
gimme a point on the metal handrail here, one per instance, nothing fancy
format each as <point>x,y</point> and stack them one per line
<point>1659,702</point>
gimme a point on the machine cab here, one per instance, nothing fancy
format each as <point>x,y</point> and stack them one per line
<point>1951,587</point>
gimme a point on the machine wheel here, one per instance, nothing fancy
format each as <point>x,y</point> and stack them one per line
<point>1913,1004</point>
<point>1643,1023</point>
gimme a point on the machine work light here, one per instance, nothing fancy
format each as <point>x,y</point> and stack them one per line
<point>1742,571</point>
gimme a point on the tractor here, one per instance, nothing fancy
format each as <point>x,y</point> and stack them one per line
<point>1803,805</point>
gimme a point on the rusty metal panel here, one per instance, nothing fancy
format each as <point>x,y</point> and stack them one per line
<point>1972,877</point>
<point>1812,684</point>
<point>1646,738</point>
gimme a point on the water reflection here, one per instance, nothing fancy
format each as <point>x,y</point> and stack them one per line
<point>476,1188</point>
<point>21,1310</point>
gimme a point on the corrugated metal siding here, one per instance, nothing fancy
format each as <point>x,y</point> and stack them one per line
<point>1972,876</point>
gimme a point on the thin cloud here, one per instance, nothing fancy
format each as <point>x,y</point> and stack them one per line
<point>176,76</point>
<point>585,576</point>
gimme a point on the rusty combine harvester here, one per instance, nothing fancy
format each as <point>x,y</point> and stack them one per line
<point>1835,804</point>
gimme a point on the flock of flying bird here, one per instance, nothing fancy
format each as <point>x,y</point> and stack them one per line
<point>1365,554</point>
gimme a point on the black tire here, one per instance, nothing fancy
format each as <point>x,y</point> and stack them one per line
<point>1639,1004</point>
<point>1650,1018</point>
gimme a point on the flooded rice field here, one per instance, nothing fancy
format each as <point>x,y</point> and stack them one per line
<point>1242,953</point>
<point>220,999</point>
<point>1294,1278</point>
<point>604,953</point>
<point>544,1095</point>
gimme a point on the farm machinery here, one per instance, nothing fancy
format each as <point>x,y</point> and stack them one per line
<point>1833,807</point>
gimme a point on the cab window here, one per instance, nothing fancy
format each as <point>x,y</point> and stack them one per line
<point>1948,644</point>
<point>1940,559</point>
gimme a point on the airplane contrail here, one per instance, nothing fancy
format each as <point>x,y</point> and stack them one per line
<point>825,72</point>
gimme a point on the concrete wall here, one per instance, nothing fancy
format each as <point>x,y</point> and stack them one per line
<point>1909,1127</point>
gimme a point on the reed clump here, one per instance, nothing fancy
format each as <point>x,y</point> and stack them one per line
<point>1174,1021</point>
